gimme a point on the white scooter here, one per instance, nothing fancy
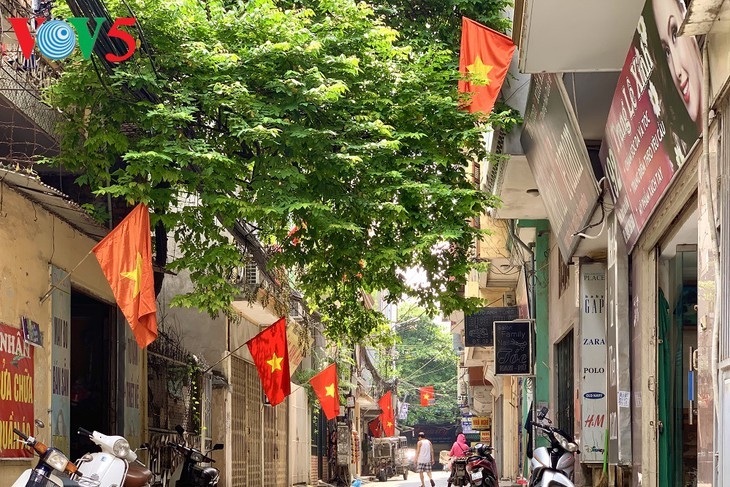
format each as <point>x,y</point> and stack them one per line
<point>551,466</point>
<point>115,466</point>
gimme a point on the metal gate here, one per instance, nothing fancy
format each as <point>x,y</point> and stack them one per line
<point>245,424</point>
<point>275,445</point>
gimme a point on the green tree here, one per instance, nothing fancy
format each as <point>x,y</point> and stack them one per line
<point>426,357</point>
<point>336,137</point>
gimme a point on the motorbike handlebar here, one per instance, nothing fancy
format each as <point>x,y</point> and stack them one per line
<point>20,433</point>
<point>85,432</point>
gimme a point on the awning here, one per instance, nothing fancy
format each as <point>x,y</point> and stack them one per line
<point>53,201</point>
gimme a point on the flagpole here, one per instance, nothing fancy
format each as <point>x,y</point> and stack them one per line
<point>225,357</point>
<point>68,274</point>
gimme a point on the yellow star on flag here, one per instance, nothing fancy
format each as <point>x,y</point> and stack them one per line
<point>330,390</point>
<point>275,363</point>
<point>480,72</point>
<point>135,275</point>
<point>390,424</point>
<point>426,397</point>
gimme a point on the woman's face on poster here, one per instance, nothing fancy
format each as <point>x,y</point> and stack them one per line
<point>683,55</point>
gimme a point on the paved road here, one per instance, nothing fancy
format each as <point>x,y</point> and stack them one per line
<point>414,481</point>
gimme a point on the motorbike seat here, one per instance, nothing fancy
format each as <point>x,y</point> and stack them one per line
<point>137,475</point>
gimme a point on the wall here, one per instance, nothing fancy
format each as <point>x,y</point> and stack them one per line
<point>30,239</point>
<point>201,334</point>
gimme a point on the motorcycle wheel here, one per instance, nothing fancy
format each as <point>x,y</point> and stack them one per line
<point>405,474</point>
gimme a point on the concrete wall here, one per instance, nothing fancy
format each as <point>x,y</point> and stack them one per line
<point>30,240</point>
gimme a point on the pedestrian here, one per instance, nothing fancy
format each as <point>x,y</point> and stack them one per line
<point>424,458</point>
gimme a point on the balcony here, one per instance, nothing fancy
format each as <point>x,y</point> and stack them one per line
<point>27,123</point>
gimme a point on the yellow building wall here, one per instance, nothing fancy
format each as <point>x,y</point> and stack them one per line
<point>30,240</point>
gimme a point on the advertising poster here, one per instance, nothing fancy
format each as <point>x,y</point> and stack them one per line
<point>16,391</point>
<point>655,115</point>
<point>593,380</point>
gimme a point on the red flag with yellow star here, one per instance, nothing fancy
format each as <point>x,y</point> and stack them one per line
<point>483,62</point>
<point>271,356</point>
<point>387,418</point>
<point>427,397</point>
<point>325,386</point>
<point>125,257</point>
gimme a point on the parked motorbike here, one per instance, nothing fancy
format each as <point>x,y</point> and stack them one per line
<point>191,472</point>
<point>481,467</point>
<point>550,466</point>
<point>116,465</point>
<point>51,460</point>
<point>458,476</point>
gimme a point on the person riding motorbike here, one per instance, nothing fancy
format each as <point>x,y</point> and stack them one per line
<point>460,448</point>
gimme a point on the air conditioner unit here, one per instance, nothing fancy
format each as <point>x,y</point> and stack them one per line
<point>296,310</point>
<point>509,299</point>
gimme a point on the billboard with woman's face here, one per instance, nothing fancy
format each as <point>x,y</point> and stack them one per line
<point>655,116</point>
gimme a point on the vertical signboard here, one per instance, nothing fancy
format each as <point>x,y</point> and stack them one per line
<point>618,343</point>
<point>655,115</point>
<point>559,160</point>
<point>60,360</point>
<point>593,362</point>
<point>132,379</point>
<point>16,391</point>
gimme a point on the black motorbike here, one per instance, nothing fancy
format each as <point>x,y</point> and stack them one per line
<point>193,472</point>
<point>50,460</point>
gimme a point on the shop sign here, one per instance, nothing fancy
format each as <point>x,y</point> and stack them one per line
<point>558,158</point>
<point>513,347</point>
<point>16,391</point>
<point>466,425</point>
<point>133,366</point>
<point>485,437</point>
<point>593,377</point>
<point>60,360</point>
<point>655,115</point>
<point>479,326</point>
<point>480,423</point>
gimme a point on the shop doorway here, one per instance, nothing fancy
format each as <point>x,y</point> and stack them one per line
<point>92,374</point>
<point>676,342</point>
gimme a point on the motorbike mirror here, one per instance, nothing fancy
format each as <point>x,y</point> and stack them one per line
<point>179,430</point>
<point>543,412</point>
<point>144,446</point>
<point>218,446</point>
<point>39,423</point>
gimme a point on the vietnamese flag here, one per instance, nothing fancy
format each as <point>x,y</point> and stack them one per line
<point>387,418</point>
<point>125,257</point>
<point>427,397</point>
<point>375,428</point>
<point>483,62</point>
<point>271,356</point>
<point>325,386</point>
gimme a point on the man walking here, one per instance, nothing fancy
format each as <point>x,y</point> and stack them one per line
<point>424,458</point>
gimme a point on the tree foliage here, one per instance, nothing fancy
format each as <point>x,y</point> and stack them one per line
<point>426,357</point>
<point>337,137</point>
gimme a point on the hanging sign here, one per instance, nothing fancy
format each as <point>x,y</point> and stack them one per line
<point>16,391</point>
<point>513,347</point>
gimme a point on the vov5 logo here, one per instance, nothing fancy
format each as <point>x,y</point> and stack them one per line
<point>56,38</point>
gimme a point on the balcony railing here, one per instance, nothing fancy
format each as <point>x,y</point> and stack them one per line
<point>30,75</point>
